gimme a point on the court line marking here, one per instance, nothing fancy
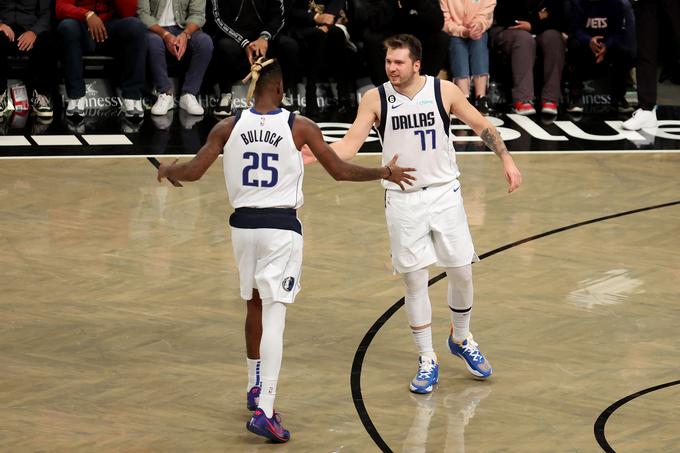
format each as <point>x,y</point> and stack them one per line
<point>357,363</point>
<point>601,421</point>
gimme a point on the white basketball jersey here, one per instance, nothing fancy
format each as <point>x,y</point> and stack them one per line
<point>262,166</point>
<point>418,131</point>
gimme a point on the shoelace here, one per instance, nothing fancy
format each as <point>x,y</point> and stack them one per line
<point>472,348</point>
<point>425,370</point>
<point>41,100</point>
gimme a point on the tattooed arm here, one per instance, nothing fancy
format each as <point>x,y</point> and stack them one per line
<point>459,106</point>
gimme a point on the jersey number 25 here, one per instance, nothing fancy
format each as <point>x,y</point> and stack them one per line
<point>264,164</point>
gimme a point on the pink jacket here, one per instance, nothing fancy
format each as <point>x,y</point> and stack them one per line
<point>460,14</point>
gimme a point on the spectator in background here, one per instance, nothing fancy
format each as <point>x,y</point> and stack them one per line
<point>243,31</point>
<point>102,25</point>
<point>522,26</point>
<point>379,19</point>
<point>173,28</point>
<point>646,24</point>
<point>597,41</point>
<point>320,31</point>
<point>467,23</point>
<point>25,30</point>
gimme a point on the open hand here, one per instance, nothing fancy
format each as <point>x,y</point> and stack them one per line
<point>96,28</point>
<point>399,175</point>
<point>512,174</point>
<point>7,30</point>
<point>521,25</point>
<point>26,41</point>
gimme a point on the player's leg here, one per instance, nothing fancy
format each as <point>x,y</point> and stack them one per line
<point>461,343</point>
<point>265,422</point>
<point>412,252</point>
<point>277,278</point>
<point>419,314</point>
<point>253,337</point>
<point>455,252</point>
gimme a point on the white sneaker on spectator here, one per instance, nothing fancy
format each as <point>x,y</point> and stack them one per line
<point>189,103</point>
<point>641,118</point>
<point>75,107</point>
<point>133,108</point>
<point>164,103</point>
<point>224,107</point>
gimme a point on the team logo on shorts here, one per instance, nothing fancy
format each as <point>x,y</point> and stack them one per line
<point>288,283</point>
<point>391,98</point>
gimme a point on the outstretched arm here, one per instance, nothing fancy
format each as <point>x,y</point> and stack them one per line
<point>460,107</point>
<point>307,132</point>
<point>196,167</point>
<point>349,145</point>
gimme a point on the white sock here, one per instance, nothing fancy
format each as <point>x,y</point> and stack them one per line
<point>460,300</point>
<point>268,396</point>
<point>423,340</point>
<point>419,311</point>
<point>253,373</point>
<point>271,352</point>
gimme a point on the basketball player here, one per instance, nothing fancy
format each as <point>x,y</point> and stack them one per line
<point>264,171</point>
<point>427,222</point>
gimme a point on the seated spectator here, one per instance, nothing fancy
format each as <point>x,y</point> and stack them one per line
<point>647,24</point>
<point>522,26</point>
<point>25,30</point>
<point>379,19</point>
<point>597,41</point>
<point>467,24</point>
<point>322,39</point>
<point>174,30</point>
<point>242,32</point>
<point>89,26</point>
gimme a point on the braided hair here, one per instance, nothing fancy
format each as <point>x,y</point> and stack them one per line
<point>262,72</point>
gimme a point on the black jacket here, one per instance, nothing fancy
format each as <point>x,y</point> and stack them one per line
<point>414,16</point>
<point>508,11</point>
<point>245,20</point>
<point>33,15</point>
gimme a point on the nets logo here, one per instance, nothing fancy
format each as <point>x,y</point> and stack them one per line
<point>288,283</point>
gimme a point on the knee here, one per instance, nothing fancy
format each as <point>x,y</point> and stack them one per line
<point>201,44</point>
<point>154,42</point>
<point>69,29</point>
<point>287,46</point>
<point>460,276</point>
<point>228,49</point>
<point>523,40</point>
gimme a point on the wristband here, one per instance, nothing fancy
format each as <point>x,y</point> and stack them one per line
<point>390,172</point>
<point>89,14</point>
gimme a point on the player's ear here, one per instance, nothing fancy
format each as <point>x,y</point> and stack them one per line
<point>416,66</point>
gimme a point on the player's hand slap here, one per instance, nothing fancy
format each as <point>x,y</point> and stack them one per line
<point>512,174</point>
<point>399,175</point>
<point>163,173</point>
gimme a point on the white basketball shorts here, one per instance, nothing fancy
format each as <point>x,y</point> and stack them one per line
<point>428,226</point>
<point>269,260</point>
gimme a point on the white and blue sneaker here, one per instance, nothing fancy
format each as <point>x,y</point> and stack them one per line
<point>469,351</point>
<point>426,377</point>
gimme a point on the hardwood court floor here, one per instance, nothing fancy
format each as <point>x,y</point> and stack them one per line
<point>122,329</point>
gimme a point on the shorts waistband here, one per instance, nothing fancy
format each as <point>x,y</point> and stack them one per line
<point>273,218</point>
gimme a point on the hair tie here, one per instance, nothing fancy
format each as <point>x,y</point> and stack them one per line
<point>254,75</point>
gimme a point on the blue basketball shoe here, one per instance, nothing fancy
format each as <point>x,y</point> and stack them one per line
<point>426,377</point>
<point>253,396</point>
<point>268,427</point>
<point>469,351</point>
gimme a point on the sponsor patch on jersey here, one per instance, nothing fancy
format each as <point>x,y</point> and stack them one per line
<point>391,99</point>
<point>288,283</point>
